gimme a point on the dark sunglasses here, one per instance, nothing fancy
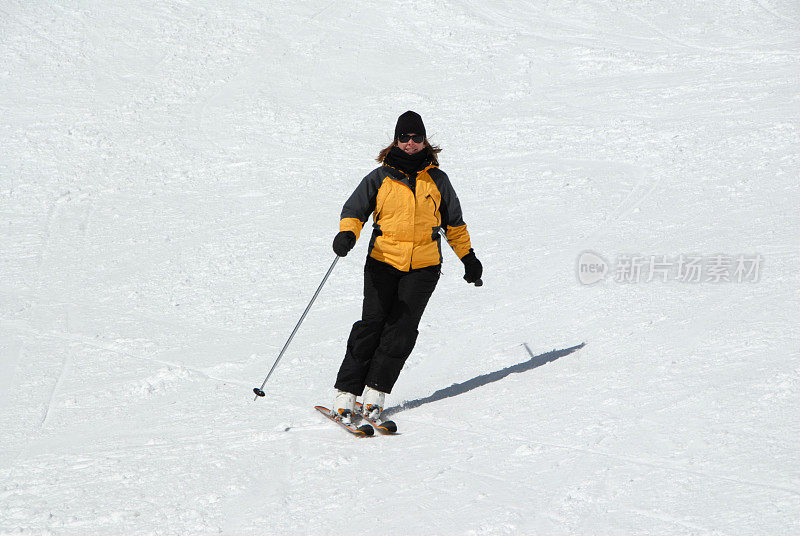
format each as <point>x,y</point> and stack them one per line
<point>403,138</point>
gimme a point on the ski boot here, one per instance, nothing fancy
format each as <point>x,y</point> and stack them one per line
<point>344,405</point>
<point>372,407</point>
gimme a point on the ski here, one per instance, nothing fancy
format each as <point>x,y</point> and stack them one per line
<point>384,427</point>
<point>365,430</point>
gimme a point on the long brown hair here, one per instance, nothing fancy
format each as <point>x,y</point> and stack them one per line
<point>432,149</point>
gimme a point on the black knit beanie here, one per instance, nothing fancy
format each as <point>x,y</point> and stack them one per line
<point>407,123</point>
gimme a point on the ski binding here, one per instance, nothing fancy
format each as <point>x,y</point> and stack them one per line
<point>384,427</point>
<point>365,430</point>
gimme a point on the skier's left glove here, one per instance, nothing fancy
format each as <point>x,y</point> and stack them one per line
<point>473,269</point>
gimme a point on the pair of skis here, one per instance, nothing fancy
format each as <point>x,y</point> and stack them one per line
<point>365,430</point>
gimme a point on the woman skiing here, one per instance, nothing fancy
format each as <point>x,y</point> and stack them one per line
<point>411,200</point>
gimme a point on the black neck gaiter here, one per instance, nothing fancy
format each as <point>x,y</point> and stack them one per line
<point>410,164</point>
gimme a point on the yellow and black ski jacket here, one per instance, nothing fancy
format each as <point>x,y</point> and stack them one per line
<point>408,214</point>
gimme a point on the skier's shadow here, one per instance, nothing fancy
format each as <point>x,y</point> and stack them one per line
<point>479,381</point>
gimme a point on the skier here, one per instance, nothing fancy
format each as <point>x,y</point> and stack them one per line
<point>410,200</point>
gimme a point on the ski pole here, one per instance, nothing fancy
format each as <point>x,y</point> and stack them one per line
<point>259,391</point>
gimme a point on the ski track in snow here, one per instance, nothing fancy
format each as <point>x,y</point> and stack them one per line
<point>171,181</point>
<point>763,5</point>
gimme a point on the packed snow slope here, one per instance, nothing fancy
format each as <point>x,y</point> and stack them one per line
<point>170,184</point>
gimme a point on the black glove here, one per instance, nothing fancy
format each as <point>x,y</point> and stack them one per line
<point>473,269</point>
<point>344,242</point>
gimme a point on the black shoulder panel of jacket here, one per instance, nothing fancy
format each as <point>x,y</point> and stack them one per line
<point>451,207</point>
<point>361,202</point>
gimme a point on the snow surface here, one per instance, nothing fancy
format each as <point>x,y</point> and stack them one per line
<point>171,179</point>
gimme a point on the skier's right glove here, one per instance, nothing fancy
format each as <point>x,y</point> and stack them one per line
<point>344,242</point>
<point>473,269</point>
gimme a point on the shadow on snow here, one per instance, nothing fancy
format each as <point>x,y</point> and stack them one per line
<point>485,379</point>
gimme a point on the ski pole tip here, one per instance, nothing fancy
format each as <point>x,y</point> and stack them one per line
<point>258,391</point>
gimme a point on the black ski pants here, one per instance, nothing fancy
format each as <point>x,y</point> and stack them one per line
<point>382,340</point>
